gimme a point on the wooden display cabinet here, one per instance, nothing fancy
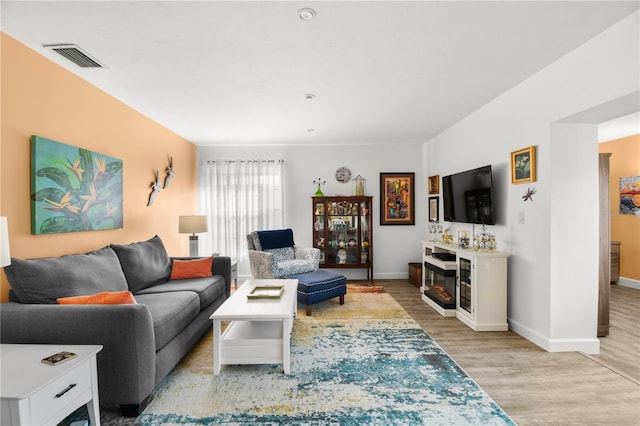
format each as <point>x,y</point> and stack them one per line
<point>343,231</point>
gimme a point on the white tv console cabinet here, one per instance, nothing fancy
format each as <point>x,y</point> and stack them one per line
<point>480,293</point>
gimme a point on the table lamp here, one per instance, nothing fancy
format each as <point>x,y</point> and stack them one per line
<point>5,255</point>
<point>192,225</point>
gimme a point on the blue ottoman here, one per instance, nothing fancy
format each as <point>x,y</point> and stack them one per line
<point>318,286</point>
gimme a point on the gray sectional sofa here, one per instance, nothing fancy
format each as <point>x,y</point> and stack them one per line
<point>142,342</point>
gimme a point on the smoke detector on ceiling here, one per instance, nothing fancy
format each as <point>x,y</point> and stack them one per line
<point>306,14</point>
<point>75,55</point>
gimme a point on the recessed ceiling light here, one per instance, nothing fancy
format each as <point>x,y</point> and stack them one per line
<point>306,14</point>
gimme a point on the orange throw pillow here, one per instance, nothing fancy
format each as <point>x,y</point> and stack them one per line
<point>196,268</point>
<point>105,298</point>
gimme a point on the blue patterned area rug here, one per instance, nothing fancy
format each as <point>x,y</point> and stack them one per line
<point>363,363</point>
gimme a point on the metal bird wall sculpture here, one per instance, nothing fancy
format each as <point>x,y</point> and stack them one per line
<point>170,173</point>
<point>155,189</point>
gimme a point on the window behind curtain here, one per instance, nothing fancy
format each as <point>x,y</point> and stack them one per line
<point>239,196</point>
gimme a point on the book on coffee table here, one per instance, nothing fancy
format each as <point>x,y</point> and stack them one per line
<point>266,292</point>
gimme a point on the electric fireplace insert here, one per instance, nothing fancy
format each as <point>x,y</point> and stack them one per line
<point>440,282</point>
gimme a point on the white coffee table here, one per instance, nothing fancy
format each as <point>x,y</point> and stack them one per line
<point>260,329</point>
<point>34,393</point>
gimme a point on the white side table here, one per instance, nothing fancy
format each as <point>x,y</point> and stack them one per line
<point>35,393</point>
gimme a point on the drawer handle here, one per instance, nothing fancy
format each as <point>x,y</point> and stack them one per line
<point>67,389</point>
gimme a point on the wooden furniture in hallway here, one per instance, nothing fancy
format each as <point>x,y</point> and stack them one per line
<point>604,269</point>
<point>615,261</point>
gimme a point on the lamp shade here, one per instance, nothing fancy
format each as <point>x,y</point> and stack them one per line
<point>5,255</point>
<point>192,224</point>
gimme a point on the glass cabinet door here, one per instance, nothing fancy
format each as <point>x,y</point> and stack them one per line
<point>318,229</point>
<point>365,244</point>
<point>465,284</point>
<point>342,232</point>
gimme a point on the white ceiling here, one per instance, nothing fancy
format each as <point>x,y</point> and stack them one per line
<point>382,72</point>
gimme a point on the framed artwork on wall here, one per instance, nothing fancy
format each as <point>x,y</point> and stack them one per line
<point>434,209</point>
<point>523,165</point>
<point>73,189</point>
<point>630,195</point>
<point>397,204</point>
<point>434,184</point>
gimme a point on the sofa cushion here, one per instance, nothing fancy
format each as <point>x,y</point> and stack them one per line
<point>208,289</point>
<point>191,268</point>
<point>144,263</point>
<point>46,279</point>
<point>170,313</point>
<point>104,298</point>
<point>275,238</point>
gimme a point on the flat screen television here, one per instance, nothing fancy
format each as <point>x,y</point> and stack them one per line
<point>467,197</point>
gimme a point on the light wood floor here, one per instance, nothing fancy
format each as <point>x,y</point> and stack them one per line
<point>536,387</point>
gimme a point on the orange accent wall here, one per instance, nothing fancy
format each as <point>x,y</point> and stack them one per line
<point>624,162</point>
<point>41,98</point>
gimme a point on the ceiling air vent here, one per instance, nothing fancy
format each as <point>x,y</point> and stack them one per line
<point>75,55</point>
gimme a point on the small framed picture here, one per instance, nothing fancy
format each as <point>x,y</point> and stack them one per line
<point>434,209</point>
<point>523,165</point>
<point>434,184</point>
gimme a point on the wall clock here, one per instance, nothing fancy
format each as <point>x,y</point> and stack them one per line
<point>343,175</point>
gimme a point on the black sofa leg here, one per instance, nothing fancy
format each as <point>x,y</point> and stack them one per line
<point>134,410</point>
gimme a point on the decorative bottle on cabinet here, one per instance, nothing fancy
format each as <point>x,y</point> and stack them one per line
<point>342,230</point>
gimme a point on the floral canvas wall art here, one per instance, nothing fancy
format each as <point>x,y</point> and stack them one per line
<point>73,189</point>
<point>523,165</point>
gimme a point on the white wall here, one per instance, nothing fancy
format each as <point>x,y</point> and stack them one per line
<point>553,264</point>
<point>394,246</point>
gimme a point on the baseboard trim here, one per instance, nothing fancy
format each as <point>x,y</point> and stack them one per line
<point>628,282</point>
<point>529,334</point>
<point>588,346</point>
<point>391,276</point>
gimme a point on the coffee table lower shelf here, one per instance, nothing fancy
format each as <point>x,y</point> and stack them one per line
<point>255,342</point>
<point>259,331</point>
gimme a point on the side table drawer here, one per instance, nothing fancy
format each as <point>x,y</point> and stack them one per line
<point>56,396</point>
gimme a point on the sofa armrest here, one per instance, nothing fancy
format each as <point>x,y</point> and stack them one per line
<point>262,264</point>
<point>221,265</point>
<point>126,364</point>
<point>308,253</point>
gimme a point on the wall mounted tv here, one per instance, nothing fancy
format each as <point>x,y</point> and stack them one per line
<point>467,197</point>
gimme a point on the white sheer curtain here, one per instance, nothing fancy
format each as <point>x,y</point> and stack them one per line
<point>239,196</point>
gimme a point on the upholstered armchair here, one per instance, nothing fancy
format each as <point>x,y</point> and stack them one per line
<point>273,254</point>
